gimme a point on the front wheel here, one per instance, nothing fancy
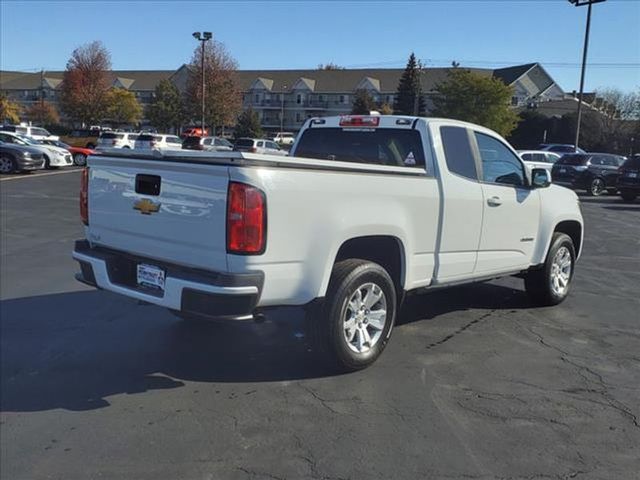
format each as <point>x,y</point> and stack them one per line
<point>550,284</point>
<point>596,187</point>
<point>358,314</point>
<point>7,164</point>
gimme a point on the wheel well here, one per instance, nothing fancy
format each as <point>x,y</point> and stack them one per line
<point>573,229</point>
<point>386,251</point>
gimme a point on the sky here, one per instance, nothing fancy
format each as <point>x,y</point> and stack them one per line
<point>150,35</point>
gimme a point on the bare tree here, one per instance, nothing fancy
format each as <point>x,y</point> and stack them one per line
<point>620,117</point>
<point>85,84</point>
<point>223,98</point>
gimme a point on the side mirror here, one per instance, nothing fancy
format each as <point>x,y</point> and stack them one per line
<point>540,178</point>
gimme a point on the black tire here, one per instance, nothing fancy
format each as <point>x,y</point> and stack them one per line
<point>8,163</point>
<point>47,162</point>
<point>80,159</point>
<point>90,145</point>
<point>597,187</point>
<point>538,282</point>
<point>349,276</point>
<point>628,196</point>
<point>612,191</point>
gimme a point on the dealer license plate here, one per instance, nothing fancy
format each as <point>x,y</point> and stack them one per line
<point>563,170</point>
<point>150,276</point>
<point>632,175</point>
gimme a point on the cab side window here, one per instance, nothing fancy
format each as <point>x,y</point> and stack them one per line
<point>458,153</point>
<point>499,164</point>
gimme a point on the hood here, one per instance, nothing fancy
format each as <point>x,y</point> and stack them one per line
<point>19,148</point>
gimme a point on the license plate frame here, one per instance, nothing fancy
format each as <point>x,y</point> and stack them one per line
<point>150,276</point>
<point>632,175</point>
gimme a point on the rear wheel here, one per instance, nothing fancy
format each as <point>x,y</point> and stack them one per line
<point>628,196</point>
<point>355,322</point>
<point>7,164</point>
<point>550,284</point>
<point>596,187</point>
<point>80,159</point>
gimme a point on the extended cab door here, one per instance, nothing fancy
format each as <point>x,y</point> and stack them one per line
<point>461,204</point>
<point>511,210</point>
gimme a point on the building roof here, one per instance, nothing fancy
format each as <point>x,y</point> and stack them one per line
<point>511,74</point>
<point>385,80</point>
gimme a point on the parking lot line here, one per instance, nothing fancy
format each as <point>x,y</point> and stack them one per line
<point>34,175</point>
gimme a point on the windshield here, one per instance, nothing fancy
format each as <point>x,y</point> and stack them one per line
<point>244,142</point>
<point>29,140</point>
<point>384,146</point>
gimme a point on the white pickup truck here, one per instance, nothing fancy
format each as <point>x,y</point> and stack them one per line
<point>365,209</point>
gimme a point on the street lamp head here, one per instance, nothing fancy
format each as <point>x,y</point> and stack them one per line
<point>196,35</point>
<point>207,36</point>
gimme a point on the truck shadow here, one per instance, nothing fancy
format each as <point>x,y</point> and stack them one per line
<point>75,350</point>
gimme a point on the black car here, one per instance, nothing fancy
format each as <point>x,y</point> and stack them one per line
<point>593,172</point>
<point>19,158</point>
<point>629,179</point>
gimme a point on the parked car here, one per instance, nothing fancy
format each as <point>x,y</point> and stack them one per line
<point>195,132</point>
<point>87,138</point>
<point>366,209</point>
<point>152,141</point>
<point>212,144</point>
<point>258,145</point>
<point>117,140</point>
<point>284,138</point>
<point>629,179</point>
<point>539,159</point>
<point>79,154</point>
<point>560,147</point>
<point>53,156</point>
<point>19,158</point>
<point>36,133</point>
<point>593,172</point>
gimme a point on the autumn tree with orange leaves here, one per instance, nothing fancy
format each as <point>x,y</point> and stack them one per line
<point>85,85</point>
<point>223,98</point>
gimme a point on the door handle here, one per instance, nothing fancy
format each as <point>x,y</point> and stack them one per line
<point>494,201</point>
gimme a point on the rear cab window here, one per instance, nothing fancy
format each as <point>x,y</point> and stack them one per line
<point>244,142</point>
<point>111,136</point>
<point>380,146</point>
<point>458,153</point>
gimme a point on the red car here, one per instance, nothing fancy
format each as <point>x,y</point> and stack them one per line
<point>195,132</point>
<point>79,154</point>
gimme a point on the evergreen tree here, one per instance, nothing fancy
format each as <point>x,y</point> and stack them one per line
<point>248,125</point>
<point>363,103</point>
<point>409,96</point>
<point>167,110</point>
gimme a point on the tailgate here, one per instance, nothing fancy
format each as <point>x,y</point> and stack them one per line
<point>171,211</point>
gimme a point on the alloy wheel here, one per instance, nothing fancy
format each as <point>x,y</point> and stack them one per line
<point>365,317</point>
<point>561,271</point>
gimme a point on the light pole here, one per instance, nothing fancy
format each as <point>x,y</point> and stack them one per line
<point>284,89</point>
<point>202,38</point>
<point>416,98</point>
<point>581,3</point>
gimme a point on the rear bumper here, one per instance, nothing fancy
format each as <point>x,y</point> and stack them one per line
<point>192,291</point>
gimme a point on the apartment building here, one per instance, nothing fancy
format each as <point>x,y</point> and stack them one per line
<point>286,98</point>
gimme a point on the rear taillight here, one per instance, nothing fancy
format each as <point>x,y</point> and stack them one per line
<point>253,149</point>
<point>359,121</point>
<point>84,196</point>
<point>246,219</point>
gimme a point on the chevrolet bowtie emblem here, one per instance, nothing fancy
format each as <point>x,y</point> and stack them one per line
<point>146,206</point>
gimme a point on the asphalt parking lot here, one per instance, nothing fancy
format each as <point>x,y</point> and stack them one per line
<point>475,384</point>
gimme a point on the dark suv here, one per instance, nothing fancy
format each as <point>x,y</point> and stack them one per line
<point>629,179</point>
<point>593,172</point>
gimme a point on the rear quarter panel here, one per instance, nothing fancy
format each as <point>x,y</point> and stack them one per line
<point>312,213</point>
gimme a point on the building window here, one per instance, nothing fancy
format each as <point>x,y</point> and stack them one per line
<point>257,97</point>
<point>298,117</point>
<point>514,101</point>
<point>298,99</point>
<point>342,98</point>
